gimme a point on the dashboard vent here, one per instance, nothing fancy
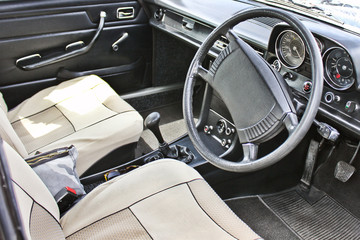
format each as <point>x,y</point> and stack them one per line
<point>271,22</point>
<point>221,43</point>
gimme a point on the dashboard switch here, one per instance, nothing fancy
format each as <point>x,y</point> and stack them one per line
<point>337,99</point>
<point>207,129</point>
<point>228,131</point>
<point>289,76</point>
<point>329,97</point>
<point>350,106</point>
<point>307,87</point>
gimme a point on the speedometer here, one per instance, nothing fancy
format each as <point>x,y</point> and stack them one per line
<point>339,69</point>
<point>290,49</point>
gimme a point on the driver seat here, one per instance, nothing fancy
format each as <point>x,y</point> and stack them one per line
<point>165,199</point>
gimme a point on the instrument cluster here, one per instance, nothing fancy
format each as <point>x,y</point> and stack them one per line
<point>291,53</point>
<point>339,69</point>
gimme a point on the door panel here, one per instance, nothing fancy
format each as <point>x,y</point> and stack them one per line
<point>54,23</point>
<point>47,29</point>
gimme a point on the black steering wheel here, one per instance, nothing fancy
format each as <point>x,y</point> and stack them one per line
<point>255,94</point>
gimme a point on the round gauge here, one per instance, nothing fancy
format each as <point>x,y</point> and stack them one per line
<point>339,69</point>
<point>290,49</point>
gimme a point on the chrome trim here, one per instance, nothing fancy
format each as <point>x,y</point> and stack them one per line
<point>320,44</point>
<point>327,78</point>
<point>51,58</point>
<point>115,46</point>
<point>28,57</point>
<point>279,54</point>
<point>121,13</point>
<point>74,44</point>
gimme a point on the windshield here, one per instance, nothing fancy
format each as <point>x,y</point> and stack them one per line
<point>345,13</point>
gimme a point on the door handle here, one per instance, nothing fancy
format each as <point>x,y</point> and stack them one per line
<point>35,61</point>
<point>125,13</point>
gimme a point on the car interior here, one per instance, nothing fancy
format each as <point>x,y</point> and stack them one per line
<point>191,119</point>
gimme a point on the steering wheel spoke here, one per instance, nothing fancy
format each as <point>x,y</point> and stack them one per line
<point>231,36</point>
<point>291,122</point>
<point>233,39</point>
<point>204,74</point>
<point>250,152</point>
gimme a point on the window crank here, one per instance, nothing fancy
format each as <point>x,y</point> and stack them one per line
<point>115,46</point>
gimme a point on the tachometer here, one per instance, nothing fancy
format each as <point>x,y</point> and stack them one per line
<point>339,69</point>
<point>290,49</point>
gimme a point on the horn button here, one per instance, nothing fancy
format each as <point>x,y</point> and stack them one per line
<point>251,90</point>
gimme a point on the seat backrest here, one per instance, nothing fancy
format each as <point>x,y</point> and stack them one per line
<point>3,103</point>
<point>7,132</point>
<point>38,209</point>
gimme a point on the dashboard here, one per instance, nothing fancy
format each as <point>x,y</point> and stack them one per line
<point>340,101</point>
<point>192,21</point>
<point>291,53</point>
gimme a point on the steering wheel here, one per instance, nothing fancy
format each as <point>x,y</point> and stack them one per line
<point>255,94</point>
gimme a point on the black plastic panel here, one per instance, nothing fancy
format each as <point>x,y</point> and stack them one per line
<point>101,55</point>
<point>221,130</point>
<point>47,27</point>
<point>35,25</point>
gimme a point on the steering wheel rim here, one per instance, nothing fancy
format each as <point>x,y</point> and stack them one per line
<point>296,130</point>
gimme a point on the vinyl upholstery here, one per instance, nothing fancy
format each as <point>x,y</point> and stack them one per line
<point>85,112</point>
<point>165,199</point>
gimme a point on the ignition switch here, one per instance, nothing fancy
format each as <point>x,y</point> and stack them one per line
<point>221,126</point>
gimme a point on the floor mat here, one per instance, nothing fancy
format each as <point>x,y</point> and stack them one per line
<point>325,219</point>
<point>261,219</point>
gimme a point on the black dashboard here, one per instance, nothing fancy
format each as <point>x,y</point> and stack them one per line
<point>193,20</point>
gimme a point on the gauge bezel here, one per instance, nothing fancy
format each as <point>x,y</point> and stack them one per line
<point>327,78</point>
<point>320,44</point>
<point>279,53</point>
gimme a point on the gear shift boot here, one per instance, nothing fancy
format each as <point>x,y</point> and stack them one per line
<point>178,152</point>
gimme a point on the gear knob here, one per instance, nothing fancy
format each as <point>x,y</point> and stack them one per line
<point>152,123</point>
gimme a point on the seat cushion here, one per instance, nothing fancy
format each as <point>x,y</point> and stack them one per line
<point>85,112</point>
<point>165,199</point>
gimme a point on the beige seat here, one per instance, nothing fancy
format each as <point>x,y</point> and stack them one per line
<point>85,112</point>
<point>165,199</point>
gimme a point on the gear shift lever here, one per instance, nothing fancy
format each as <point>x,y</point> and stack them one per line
<point>152,122</point>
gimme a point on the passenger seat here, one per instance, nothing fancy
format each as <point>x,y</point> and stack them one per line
<point>85,112</point>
